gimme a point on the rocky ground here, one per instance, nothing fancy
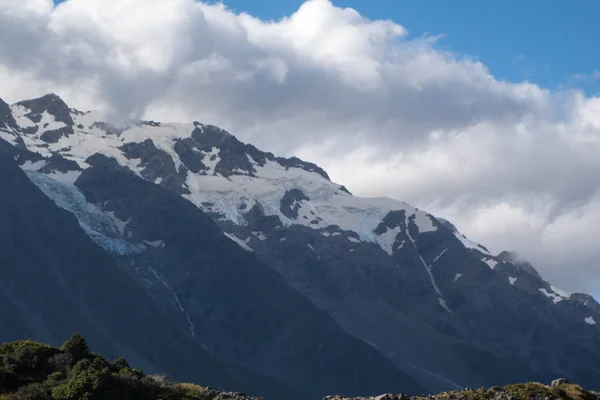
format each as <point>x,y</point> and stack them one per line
<point>558,389</point>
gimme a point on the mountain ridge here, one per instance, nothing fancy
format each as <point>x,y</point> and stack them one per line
<point>439,308</point>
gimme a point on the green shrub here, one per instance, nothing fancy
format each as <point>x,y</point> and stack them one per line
<point>34,391</point>
<point>76,347</point>
<point>120,363</point>
<point>57,376</point>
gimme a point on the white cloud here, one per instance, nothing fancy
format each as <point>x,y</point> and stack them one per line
<point>515,166</point>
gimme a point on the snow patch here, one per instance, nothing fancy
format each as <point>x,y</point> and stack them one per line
<point>439,256</point>
<point>386,240</point>
<point>353,239</point>
<point>211,159</point>
<point>512,280</point>
<point>490,262</point>
<point>590,321</point>
<point>68,177</point>
<point>561,293</point>
<point>457,277</point>
<point>243,244</point>
<point>424,222</point>
<point>260,236</point>
<point>33,166</point>
<point>156,243</point>
<point>555,297</point>
<point>469,244</point>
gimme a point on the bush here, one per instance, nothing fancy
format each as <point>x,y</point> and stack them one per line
<point>62,362</point>
<point>26,358</point>
<point>76,347</point>
<point>120,363</point>
<point>34,391</point>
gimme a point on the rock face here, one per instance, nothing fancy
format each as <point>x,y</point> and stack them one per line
<point>264,265</point>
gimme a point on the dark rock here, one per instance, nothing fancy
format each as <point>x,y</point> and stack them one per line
<point>157,164</point>
<point>291,203</point>
<point>189,155</point>
<point>57,163</point>
<point>54,136</point>
<point>110,129</point>
<point>56,107</point>
<point>7,121</point>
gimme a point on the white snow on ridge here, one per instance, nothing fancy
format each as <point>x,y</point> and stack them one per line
<point>424,222</point>
<point>328,205</point>
<point>556,298</point>
<point>561,293</point>
<point>469,244</point>
<point>18,113</point>
<point>512,280</point>
<point>590,321</point>
<point>457,277</point>
<point>490,262</point>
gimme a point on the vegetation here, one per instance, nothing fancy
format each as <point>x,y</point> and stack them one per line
<point>33,371</point>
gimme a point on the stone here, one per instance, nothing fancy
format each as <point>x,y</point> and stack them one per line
<point>558,382</point>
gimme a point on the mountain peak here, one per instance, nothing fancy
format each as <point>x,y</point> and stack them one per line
<point>50,103</point>
<point>520,262</point>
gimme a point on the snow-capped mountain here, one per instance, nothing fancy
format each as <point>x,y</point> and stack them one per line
<point>265,264</point>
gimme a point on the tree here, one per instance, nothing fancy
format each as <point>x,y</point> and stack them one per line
<point>76,347</point>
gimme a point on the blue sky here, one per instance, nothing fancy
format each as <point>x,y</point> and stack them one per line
<point>548,42</point>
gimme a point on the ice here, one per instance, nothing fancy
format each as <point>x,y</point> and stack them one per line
<point>102,227</point>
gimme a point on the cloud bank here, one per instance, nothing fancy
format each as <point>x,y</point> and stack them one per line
<point>513,165</point>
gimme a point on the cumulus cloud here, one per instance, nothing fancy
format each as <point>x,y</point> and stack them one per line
<point>514,165</point>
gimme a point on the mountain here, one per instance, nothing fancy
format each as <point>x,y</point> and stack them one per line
<point>262,266</point>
